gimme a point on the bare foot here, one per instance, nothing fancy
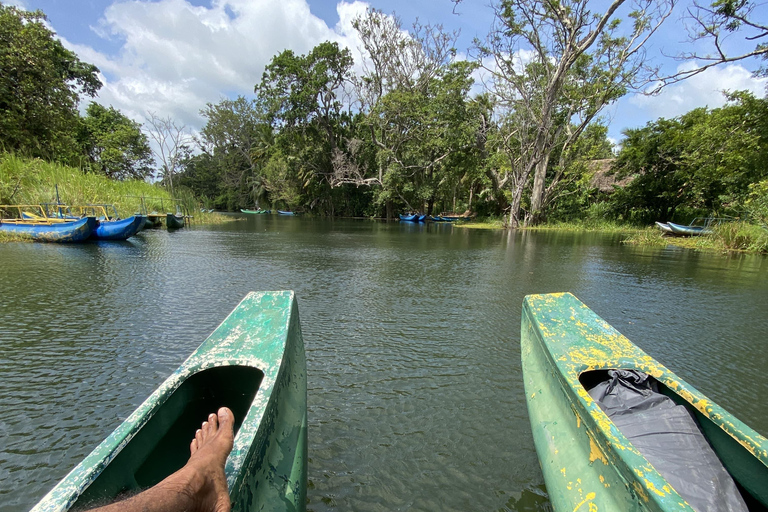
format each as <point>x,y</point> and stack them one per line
<point>209,449</point>
<point>201,485</point>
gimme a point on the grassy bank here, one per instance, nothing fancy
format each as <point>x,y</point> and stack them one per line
<point>731,237</point>
<point>33,181</point>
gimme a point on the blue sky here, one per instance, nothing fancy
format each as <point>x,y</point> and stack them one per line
<point>172,57</point>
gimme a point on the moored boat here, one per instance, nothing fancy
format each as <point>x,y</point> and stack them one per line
<point>673,450</point>
<point>285,212</point>
<point>664,227</point>
<point>679,229</point>
<point>422,218</point>
<point>174,221</point>
<point>409,218</point>
<point>253,363</point>
<point>258,212</point>
<point>51,231</point>
<point>119,229</point>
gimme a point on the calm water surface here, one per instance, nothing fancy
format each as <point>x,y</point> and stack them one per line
<point>412,337</point>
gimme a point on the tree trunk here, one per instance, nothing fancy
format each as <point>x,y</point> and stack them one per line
<point>537,195</point>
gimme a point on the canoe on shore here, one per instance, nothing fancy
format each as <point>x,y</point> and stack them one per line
<point>174,221</point>
<point>679,229</point>
<point>253,363</point>
<point>664,227</point>
<point>671,449</point>
<point>259,211</point>
<point>51,231</point>
<point>119,229</point>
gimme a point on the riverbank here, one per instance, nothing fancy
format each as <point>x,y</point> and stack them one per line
<point>34,181</point>
<point>732,237</point>
<point>739,237</point>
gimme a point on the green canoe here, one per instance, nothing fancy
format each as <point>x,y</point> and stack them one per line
<point>174,221</point>
<point>253,363</point>
<point>587,462</point>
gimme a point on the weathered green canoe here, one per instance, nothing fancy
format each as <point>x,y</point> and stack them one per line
<point>587,462</point>
<point>253,363</point>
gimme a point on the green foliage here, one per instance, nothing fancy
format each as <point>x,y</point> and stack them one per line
<point>115,144</point>
<point>757,202</point>
<point>39,88</point>
<point>702,161</point>
<point>33,181</point>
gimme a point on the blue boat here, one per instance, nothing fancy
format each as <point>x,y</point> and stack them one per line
<point>42,231</point>
<point>409,218</point>
<point>422,218</point>
<point>119,229</point>
<point>283,212</point>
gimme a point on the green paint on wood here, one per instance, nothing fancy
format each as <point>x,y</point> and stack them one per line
<point>587,462</point>
<point>254,363</point>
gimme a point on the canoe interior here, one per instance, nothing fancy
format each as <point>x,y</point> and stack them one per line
<point>584,457</point>
<point>747,471</point>
<point>161,447</point>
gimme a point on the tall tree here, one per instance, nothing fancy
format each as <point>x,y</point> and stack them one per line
<point>553,66</point>
<point>172,145</point>
<point>302,96</point>
<point>116,145</point>
<point>40,84</point>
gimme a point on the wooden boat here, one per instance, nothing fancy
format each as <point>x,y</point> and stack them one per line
<point>119,229</point>
<point>436,218</point>
<point>409,218</point>
<point>253,363</point>
<point>51,231</point>
<point>588,462</point>
<point>283,212</point>
<point>664,227</point>
<point>259,211</point>
<point>174,221</point>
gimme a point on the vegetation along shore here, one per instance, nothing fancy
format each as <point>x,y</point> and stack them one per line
<point>408,132</point>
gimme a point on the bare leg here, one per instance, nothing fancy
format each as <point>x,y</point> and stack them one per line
<point>200,486</point>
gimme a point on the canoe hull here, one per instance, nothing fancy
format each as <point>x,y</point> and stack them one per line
<point>681,230</point>
<point>64,232</point>
<point>409,218</point>
<point>258,212</point>
<point>282,212</point>
<point>585,459</point>
<point>254,363</point>
<point>173,222</point>
<point>119,229</point>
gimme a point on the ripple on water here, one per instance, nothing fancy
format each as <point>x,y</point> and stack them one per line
<point>412,335</point>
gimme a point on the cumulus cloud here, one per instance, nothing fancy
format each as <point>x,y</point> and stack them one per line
<point>175,57</point>
<point>704,89</point>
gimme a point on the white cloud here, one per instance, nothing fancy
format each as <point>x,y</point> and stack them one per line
<point>175,57</point>
<point>704,89</point>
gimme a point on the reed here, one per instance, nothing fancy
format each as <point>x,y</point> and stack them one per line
<point>34,181</point>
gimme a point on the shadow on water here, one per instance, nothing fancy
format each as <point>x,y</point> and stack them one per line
<point>412,336</point>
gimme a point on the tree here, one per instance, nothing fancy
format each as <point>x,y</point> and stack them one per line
<point>237,138</point>
<point>552,67</point>
<point>703,161</point>
<point>713,24</point>
<point>116,145</point>
<point>172,145</point>
<point>415,110</point>
<point>40,83</point>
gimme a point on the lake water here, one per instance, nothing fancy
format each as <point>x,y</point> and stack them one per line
<point>412,337</point>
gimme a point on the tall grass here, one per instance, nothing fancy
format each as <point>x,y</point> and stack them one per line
<point>34,181</point>
<point>729,237</point>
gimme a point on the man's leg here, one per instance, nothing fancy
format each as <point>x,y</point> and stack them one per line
<point>200,486</point>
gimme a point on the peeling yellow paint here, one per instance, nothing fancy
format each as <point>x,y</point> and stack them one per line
<point>589,497</point>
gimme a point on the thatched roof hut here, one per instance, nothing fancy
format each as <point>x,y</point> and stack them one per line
<point>603,178</point>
